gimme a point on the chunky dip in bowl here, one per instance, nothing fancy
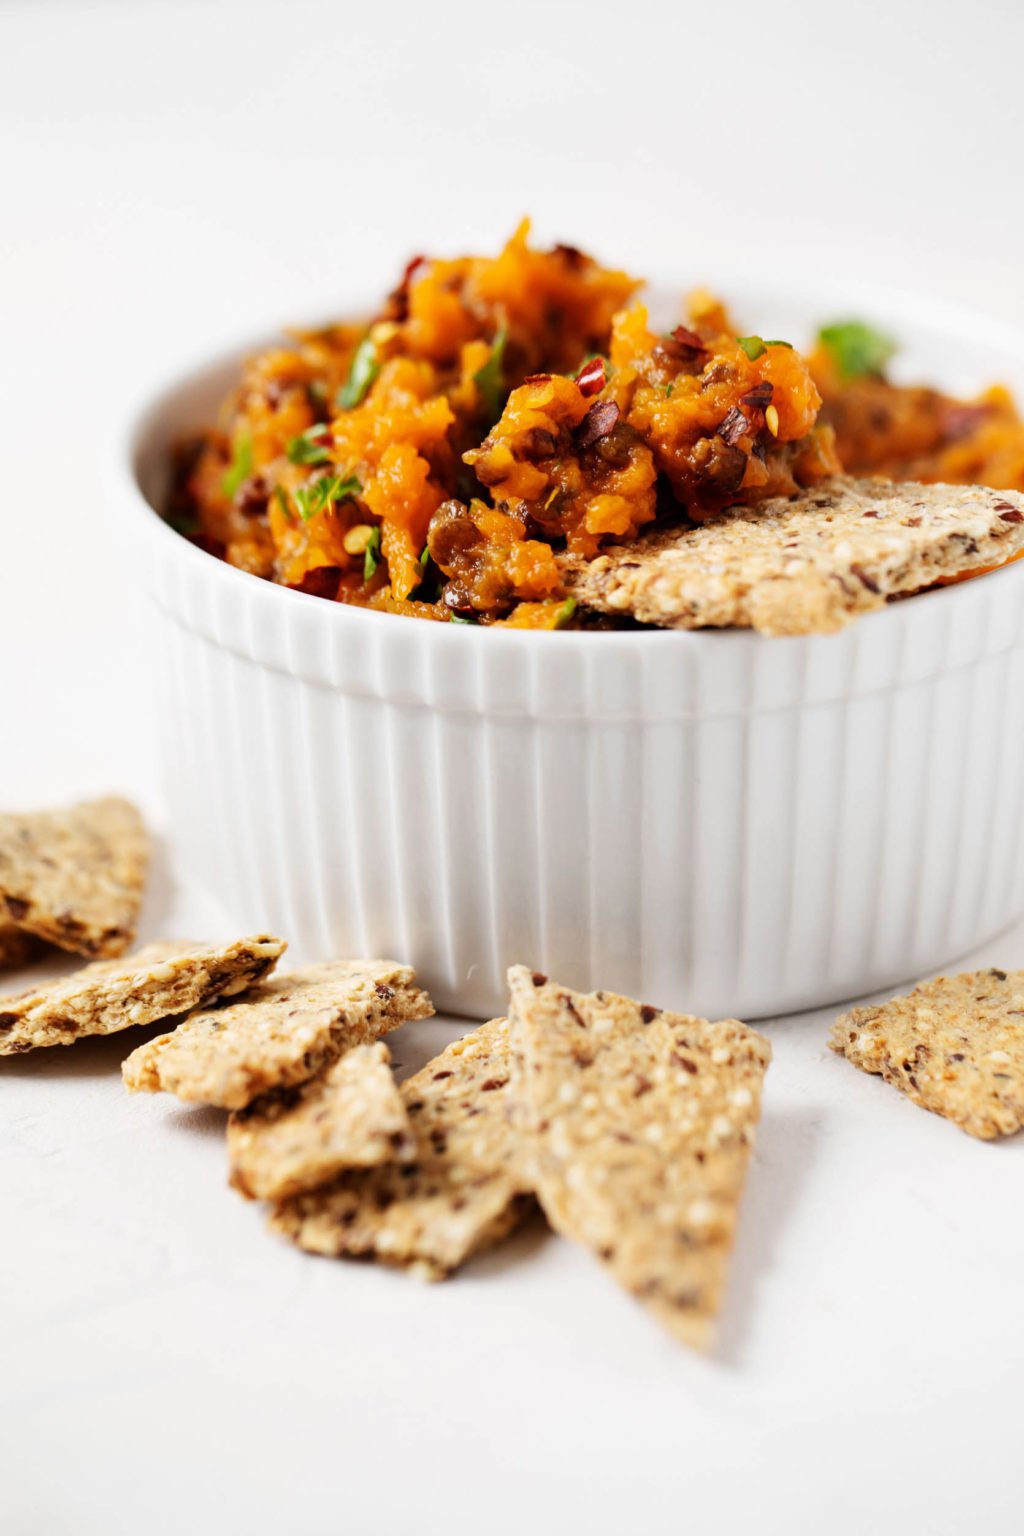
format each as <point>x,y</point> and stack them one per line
<point>694,789</point>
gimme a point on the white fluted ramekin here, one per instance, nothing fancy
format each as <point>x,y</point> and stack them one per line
<point>717,822</point>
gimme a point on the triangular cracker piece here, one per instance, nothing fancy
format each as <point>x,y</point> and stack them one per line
<point>806,564</point>
<point>954,1045</point>
<point>158,981</point>
<point>638,1127</point>
<point>281,1034</point>
<point>461,1195</point>
<point>75,877</point>
<point>351,1116</point>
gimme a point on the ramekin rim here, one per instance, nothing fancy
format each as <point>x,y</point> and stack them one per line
<point>139,417</point>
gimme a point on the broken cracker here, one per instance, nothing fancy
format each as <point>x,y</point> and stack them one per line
<point>461,1195</point>
<point>638,1127</point>
<point>807,564</point>
<point>954,1045</point>
<point>76,876</point>
<point>281,1035</point>
<point>351,1116</point>
<point>156,982</point>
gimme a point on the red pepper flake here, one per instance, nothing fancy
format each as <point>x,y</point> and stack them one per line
<point>687,338</point>
<point>733,426</point>
<point>591,378</point>
<point>961,420</point>
<point>537,378</point>
<point>758,397</point>
<point>398,301</point>
<point>322,581</point>
<point>599,422</point>
<point>1008,514</point>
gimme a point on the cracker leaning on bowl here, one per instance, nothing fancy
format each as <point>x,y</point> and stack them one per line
<point>157,982</point>
<point>954,1045</point>
<point>75,877</point>
<point>637,1127</point>
<point>279,1035</point>
<point>803,565</point>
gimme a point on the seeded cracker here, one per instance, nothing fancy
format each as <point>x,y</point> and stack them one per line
<point>280,1035</point>
<point>639,1126</point>
<point>156,982</point>
<point>461,1195</point>
<point>954,1045</point>
<point>351,1116</point>
<point>75,877</point>
<point>805,565</point>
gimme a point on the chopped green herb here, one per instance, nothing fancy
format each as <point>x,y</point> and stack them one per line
<point>425,557</point>
<point>565,613</point>
<point>240,467</point>
<point>668,388</point>
<point>371,555</point>
<point>281,497</point>
<point>490,379</point>
<point>457,618</point>
<point>309,447</point>
<point>753,346</point>
<point>856,349</point>
<point>323,493</point>
<point>776,343</point>
<point>365,368</point>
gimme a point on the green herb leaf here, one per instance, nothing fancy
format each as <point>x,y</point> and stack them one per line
<point>308,447</point>
<point>490,379</point>
<point>281,497</point>
<point>667,389</point>
<point>365,368</point>
<point>371,555</point>
<point>241,465</point>
<point>565,613</point>
<point>753,346</point>
<point>856,349</point>
<point>323,493</point>
<point>457,618</point>
<point>425,557</point>
<point>776,343</point>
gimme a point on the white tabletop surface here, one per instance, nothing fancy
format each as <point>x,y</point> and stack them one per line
<point>176,174</point>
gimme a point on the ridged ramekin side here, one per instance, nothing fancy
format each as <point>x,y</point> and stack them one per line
<point>721,824</point>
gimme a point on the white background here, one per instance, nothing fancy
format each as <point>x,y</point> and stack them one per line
<point>171,176</point>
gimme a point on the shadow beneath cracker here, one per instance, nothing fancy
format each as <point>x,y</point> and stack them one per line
<point>412,1045</point>
<point>784,1149</point>
<point>198,1120</point>
<point>88,1056</point>
<point>524,1242</point>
